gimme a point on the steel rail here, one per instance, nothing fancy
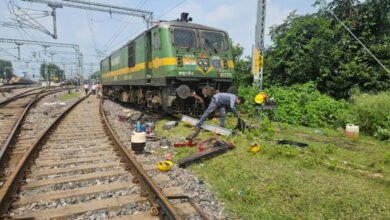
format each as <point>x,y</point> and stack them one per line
<point>11,136</point>
<point>8,88</point>
<point>161,205</point>
<point>12,183</point>
<point>21,95</point>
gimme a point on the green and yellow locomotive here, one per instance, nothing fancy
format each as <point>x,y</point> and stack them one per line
<point>167,64</point>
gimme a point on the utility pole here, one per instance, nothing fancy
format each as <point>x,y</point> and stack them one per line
<point>52,55</point>
<point>18,44</point>
<point>45,45</point>
<point>258,48</point>
<point>93,6</point>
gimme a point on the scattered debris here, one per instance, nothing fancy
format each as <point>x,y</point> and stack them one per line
<point>218,148</point>
<point>292,143</point>
<point>170,125</point>
<point>140,127</point>
<point>168,156</point>
<point>164,142</point>
<point>148,151</point>
<point>122,118</point>
<point>136,116</point>
<point>185,144</point>
<point>318,132</point>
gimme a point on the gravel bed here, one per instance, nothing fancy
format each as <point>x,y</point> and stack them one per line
<point>73,185</point>
<point>42,205</point>
<point>195,188</point>
<point>79,152</point>
<point>107,213</point>
<point>43,114</point>
<point>78,172</point>
<point>77,164</point>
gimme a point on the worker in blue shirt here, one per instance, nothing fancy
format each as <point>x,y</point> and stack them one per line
<point>221,101</point>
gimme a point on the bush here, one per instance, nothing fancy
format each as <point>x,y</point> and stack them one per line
<point>373,113</point>
<point>302,105</point>
<point>305,105</point>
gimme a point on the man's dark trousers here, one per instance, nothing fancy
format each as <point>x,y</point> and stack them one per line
<point>212,107</point>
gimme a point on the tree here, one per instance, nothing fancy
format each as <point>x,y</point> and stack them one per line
<point>242,76</point>
<point>52,71</point>
<point>95,76</point>
<point>6,66</point>
<point>315,47</point>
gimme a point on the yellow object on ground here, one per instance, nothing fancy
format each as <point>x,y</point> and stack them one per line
<point>255,148</point>
<point>164,166</point>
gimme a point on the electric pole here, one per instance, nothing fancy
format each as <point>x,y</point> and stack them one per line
<point>92,6</point>
<point>258,48</point>
<point>45,45</point>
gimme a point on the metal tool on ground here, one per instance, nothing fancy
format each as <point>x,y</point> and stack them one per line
<point>292,143</point>
<point>241,125</point>
<point>214,128</point>
<point>218,148</point>
<point>189,143</point>
<point>170,125</point>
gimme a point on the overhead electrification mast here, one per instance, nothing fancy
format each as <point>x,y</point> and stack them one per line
<point>93,6</point>
<point>45,45</point>
<point>258,49</point>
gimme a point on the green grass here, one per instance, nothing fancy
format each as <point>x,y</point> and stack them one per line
<point>67,96</point>
<point>324,180</point>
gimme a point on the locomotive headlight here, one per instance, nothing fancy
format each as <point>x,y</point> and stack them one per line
<point>179,61</point>
<point>225,64</point>
<point>203,62</point>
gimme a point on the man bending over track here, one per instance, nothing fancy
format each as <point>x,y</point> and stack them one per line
<point>220,101</point>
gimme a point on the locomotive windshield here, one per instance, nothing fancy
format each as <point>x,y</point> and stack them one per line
<point>185,38</point>
<point>214,41</point>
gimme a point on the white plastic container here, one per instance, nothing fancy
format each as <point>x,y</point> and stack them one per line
<point>352,131</point>
<point>138,141</point>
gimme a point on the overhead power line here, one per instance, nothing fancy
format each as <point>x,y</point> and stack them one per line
<point>356,38</point>
<point>93,6</point>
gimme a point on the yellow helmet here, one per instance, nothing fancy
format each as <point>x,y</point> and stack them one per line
<point>164,166</point>
<point>259,99</point>
<point>255,148</point>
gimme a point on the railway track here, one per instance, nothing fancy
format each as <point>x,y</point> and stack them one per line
<point>12,112</point>
<point>78,169</point>
<point>23,94</point>
<point>13,115</point>
<point>10,88</point>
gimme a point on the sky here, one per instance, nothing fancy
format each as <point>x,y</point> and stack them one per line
<point>99,33</point>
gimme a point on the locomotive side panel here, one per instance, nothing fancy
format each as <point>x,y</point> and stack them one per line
<point>165,64</point>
